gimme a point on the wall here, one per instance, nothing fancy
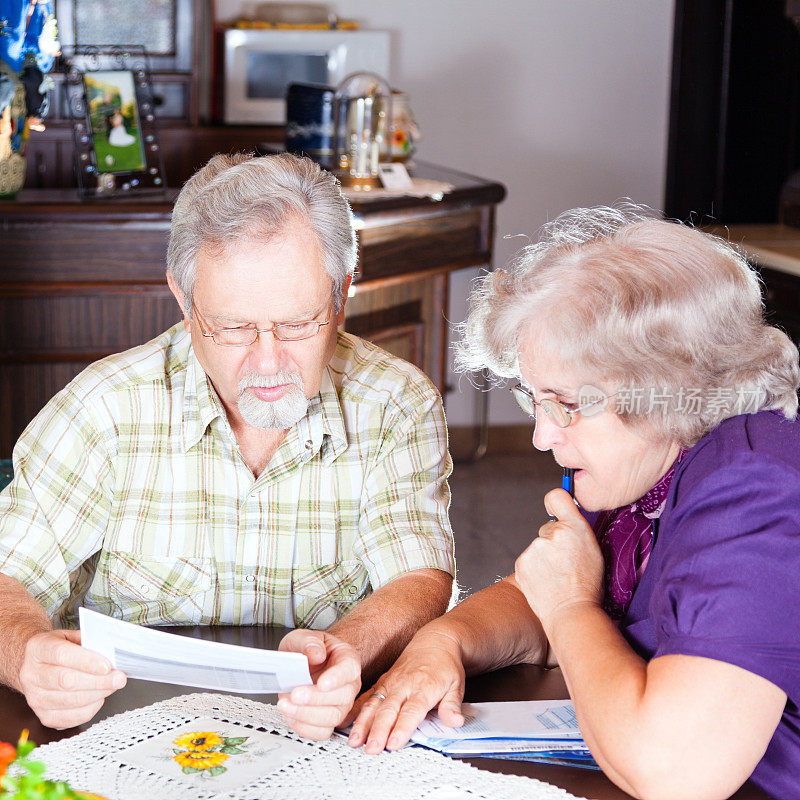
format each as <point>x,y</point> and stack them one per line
<point>563,101</point>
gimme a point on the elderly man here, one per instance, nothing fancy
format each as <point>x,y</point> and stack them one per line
<point>252,465</point>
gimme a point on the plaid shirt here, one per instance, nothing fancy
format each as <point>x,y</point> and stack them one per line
<point>130,495</point>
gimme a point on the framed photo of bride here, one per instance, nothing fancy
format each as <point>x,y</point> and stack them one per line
<point>115,121</point>
<point>116,144</point>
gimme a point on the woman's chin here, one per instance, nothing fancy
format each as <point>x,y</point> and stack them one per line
<point>585,497</point>
<point>586,505</point>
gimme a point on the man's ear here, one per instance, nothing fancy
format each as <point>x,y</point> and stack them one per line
<point>345,290</point>
<point>179,296</point>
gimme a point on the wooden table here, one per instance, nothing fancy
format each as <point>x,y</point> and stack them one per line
<point>514,683</point>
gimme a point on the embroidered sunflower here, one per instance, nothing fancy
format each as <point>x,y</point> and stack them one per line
<point>200,760</point>
<point>203,740</point>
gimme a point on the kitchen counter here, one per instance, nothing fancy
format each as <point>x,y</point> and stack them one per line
<point>775,252</point>
<point>774,246</point>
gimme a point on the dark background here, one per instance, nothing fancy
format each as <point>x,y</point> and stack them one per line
<point>733,138</point>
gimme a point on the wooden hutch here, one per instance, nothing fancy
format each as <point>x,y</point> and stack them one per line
<point>81,279</point>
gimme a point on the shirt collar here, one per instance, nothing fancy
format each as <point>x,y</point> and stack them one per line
<point>201,406</point>
<point>652,503</point>
<point>326,421</point>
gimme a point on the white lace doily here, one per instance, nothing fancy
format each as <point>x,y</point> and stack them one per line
<point>95,761</point>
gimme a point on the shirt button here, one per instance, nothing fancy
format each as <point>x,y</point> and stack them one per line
<point>309,444</point>
<point>249,578</point>
<point>352,589</point>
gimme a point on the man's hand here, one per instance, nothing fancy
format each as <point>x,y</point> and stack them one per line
<point>564,565</point>
<point>63,683</point>
<point>314,711</point>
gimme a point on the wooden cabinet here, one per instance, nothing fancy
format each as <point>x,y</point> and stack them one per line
<point>51,161</point>
<point>82,280</point>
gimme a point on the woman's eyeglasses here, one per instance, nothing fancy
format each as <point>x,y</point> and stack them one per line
<point>556,412</point>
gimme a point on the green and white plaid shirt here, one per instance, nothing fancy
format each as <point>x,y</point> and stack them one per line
<point>130,495</point>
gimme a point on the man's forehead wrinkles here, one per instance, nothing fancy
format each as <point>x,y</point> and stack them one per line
<point>306,313</point>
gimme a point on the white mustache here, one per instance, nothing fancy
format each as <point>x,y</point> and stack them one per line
<point>268,381</point>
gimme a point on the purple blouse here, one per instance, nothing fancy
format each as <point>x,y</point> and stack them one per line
<point>723,578</point>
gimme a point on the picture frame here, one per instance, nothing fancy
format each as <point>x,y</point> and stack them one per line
<point>110,101</point>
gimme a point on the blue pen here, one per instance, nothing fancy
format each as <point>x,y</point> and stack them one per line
<point>568,481</point>
<point>567,484</point>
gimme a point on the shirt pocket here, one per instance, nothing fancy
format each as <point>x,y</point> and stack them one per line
<point>325,593</point>
<point>158,591</point>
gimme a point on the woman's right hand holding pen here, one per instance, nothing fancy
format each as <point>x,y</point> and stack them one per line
<point>429,673</point>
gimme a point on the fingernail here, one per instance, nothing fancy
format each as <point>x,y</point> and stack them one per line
<point>285,706</point>
<point>353,739</point>
<point>119,681</point>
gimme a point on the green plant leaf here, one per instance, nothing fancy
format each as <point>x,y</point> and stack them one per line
<point>23,748</point>
<point>217,770</point>
<point>234,740</point>
<point>232,751</point>
<point>177,751</point>
<point>190,770</point>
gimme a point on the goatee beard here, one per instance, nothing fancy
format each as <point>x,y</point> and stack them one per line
<point>279,414</point>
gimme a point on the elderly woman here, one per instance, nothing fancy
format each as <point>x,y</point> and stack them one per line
<point>670,598</point>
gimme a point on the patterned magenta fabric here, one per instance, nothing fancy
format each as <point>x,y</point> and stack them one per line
<point>626,537</point>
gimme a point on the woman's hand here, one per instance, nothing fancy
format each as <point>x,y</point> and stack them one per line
<point>428,672</point>
<point>564,565</point>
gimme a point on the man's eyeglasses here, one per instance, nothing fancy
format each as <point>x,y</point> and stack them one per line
<point>556,412</point>
<point>245,336</point>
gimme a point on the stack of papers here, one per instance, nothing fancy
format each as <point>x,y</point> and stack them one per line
<point>531,730</point>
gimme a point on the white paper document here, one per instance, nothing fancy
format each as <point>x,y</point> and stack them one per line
<point>154,655</point>
<point>527,726</point>
<point>523,719</point>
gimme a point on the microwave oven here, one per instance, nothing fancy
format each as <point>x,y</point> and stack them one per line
<point>260,64</point>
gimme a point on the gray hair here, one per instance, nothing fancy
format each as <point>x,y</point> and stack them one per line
<point>236,197</point>
<point>623,299</point>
